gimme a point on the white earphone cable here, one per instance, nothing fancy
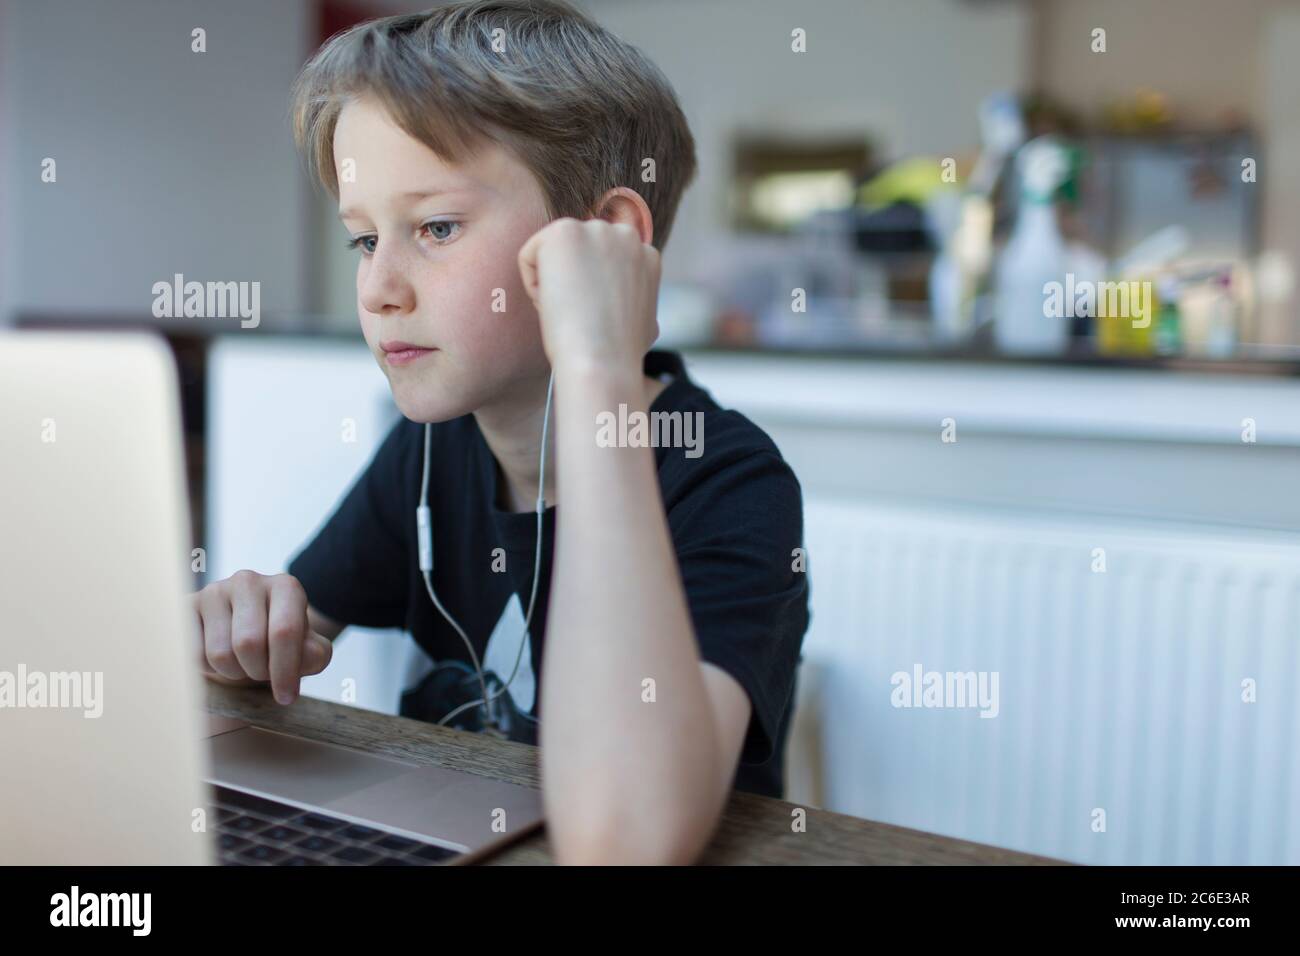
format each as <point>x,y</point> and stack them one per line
<point>425,536</point>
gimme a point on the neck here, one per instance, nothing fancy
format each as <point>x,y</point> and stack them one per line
<point>512,428</point>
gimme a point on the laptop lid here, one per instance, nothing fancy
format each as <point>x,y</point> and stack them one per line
<point>100,706</point>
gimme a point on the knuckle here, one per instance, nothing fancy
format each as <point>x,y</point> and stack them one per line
<point>283,632</point>
<point>288,584</point>
<point>222,658</point>
<point>246,642</point>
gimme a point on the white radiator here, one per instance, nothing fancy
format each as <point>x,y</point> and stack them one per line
<point>1118,691</point>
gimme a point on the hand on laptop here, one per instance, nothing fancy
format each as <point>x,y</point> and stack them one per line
<point>255,628</point>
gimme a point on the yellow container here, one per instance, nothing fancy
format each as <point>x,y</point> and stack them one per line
<point>1124,317</point>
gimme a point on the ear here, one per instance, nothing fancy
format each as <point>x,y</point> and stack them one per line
<point>623,204</point>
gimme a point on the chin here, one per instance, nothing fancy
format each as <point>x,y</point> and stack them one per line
<point>419,405</point>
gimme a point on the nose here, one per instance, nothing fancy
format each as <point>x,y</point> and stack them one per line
<point>385,289</point>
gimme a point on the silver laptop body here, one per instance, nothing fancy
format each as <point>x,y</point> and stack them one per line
<point>106,753</point>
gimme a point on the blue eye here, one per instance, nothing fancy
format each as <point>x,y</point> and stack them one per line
<point>448,223</point>
<point>441,231</point>
<point>359,242</point>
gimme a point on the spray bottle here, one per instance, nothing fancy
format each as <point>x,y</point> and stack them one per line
<point>1027,319</point>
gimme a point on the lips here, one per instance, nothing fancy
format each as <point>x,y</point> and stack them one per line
<point>398,352</point>
<point>399,345</point>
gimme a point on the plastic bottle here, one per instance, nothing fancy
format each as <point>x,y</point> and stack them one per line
<point>1034,257</point>
<point>1169,332</point>
<point>1222,340</point>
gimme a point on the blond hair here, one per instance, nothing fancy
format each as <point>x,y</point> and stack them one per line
<point>580,108</point>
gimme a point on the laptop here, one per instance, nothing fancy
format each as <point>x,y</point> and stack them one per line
<point>108,753</point>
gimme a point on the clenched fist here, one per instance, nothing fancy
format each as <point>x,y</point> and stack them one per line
<point>595,285</point>
<point>255,628</point>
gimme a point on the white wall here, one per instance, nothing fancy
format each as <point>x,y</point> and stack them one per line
<point>168,160</point>
<point>8,163</point>
<point>1280,168</point>
<point>908,75</point>
<point>1203,53</point>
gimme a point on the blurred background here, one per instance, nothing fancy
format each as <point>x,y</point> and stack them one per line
<point>1100,507</point>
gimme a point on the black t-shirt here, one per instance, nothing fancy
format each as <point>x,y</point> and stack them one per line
<point>736,518</point>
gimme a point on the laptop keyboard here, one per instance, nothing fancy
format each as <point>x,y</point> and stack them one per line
<point>254,831</point>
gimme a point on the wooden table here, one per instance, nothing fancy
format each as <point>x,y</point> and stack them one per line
<point>753,829</point>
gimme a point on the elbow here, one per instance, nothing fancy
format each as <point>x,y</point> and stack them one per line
<point>597,848</point>
<point>612,833</point>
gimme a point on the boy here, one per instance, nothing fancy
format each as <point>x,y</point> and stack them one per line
<point>488,159</point>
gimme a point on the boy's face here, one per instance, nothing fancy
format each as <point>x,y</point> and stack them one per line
<point>432,266</point>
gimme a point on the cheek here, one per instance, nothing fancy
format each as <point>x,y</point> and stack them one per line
<point>367,320</point>
<point>493,312</point>
<point>369,332</point>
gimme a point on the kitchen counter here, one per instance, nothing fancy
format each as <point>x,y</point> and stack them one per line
<point>1129,401</point>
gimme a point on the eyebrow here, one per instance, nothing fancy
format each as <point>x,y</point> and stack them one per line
<point>414,194</point>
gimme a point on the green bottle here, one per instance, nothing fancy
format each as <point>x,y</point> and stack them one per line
<point>1169,331</point>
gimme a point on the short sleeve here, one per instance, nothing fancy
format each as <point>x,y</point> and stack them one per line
<point>355,568</point>
<point>736,535</point>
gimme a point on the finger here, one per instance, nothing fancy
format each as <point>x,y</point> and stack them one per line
<point>286,629</point>
<point>248,624</point>
<point>528,264</point>
<point>317,651</point>
<point>530,252</point>
<point>204,666</point>
<point>627,232</point>
<point>215,607</point>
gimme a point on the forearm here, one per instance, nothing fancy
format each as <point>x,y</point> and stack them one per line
<point>620,766</point>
